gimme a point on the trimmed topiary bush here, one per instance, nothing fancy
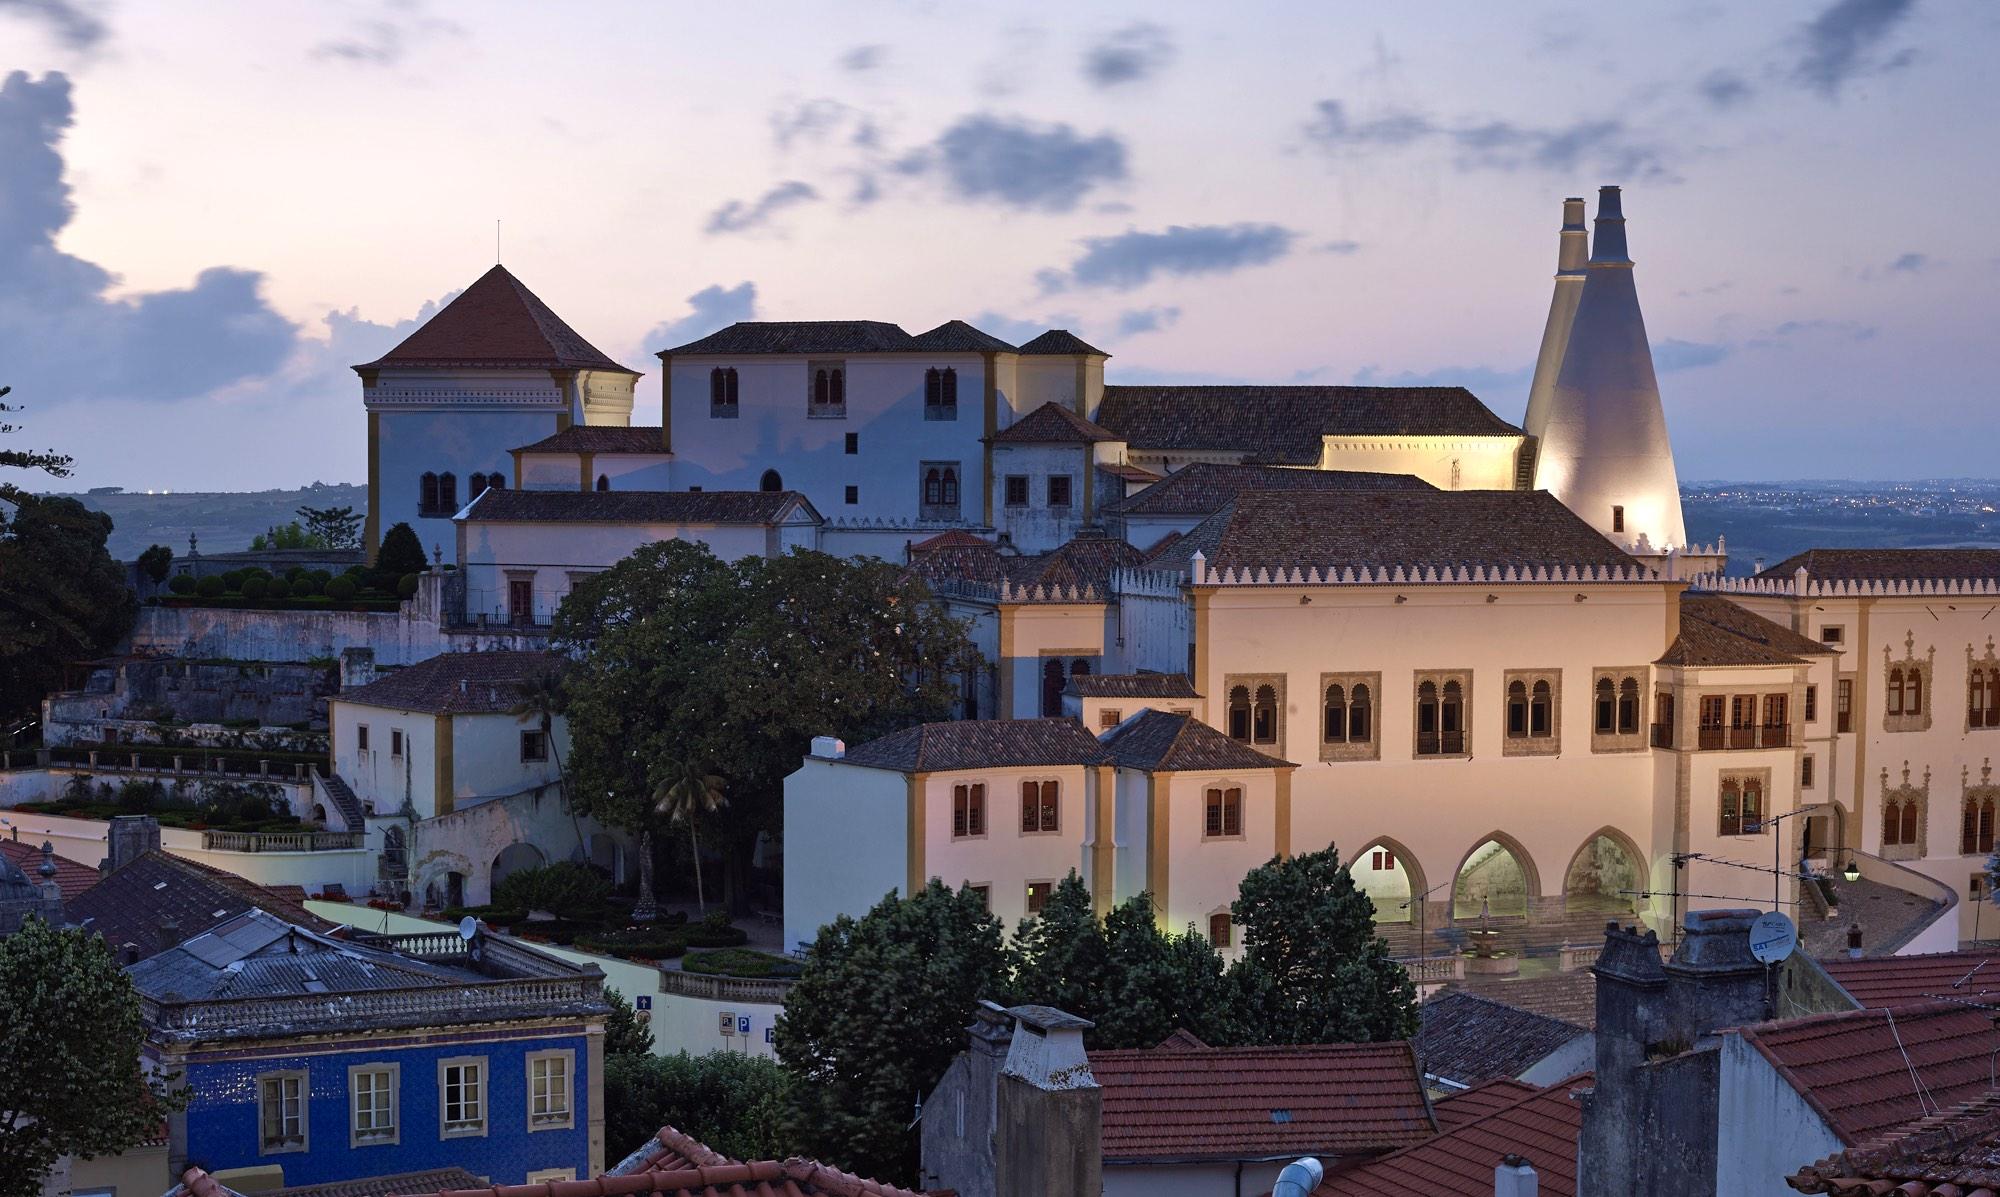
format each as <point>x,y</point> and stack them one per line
<point>255,587</point>
<point>278,588</point>
<point>210,587</point>
<point>401,552</point>
<point>181,584</point>
<point>233,580</point>
<point>341,589</point>
<point>306,587</point>
<point>406,586</point>
<point>567,890</point>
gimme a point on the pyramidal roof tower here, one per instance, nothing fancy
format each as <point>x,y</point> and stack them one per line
<point>1603,433</point>
<point>1572,255</point>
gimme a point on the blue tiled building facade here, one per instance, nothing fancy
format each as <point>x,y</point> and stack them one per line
<point>317,1058</point>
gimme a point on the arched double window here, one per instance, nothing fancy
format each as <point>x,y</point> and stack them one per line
<point>722,393</point>
<point>1742,807</point>
<point>940,393</point>
<point>941,487</point>
<point>1976,834</point>
<point>1901,818</point>
<point>1041,806</point>
<point>478,484</point>
<point>1222,812</point>
<point>1982,698</point>
<point>829,390</point>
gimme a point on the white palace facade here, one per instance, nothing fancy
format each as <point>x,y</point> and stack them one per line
<point>1220,623</point>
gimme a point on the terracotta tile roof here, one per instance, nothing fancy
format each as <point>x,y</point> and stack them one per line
<point>1468,1039</point>
<point>128,905</point>
<point>1568,997</point>
<point>455,683</point>
<point>497,323</point>
<point>1715,631</point>
<point>1856,1067</point>
<point>72,878</point>
<point>1205,488</point>
<point>762,1178</point>
<point>1470,1105</point>
<point>1086,560</point>
<point>1061,341</point>
<point>1132,685</point>
<point>669,1150</point>
<point>1542,1127</point>
<point>801,336</point>
<point>1282,425</point>
<point>1051,424</point>
<point>1891,565</point>
<point>954,539</point>
<point>1384,529</point>
<point>1953,1153</point>
<point>956,336</point>
<point>382,1186</point>
<point>1181,1038</point>
<point>1160,742</point>
<point>1131,473</point>
<point>1879,982</point>
<point>601,438</point>
<point>981,744</point>
<point>636,506</point>
<point>1340,1099</point>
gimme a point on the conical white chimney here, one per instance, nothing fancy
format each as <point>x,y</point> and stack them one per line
<point>1604,449</point>
<point>1572,254</point>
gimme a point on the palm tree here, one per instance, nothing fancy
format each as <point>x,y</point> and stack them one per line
<point>688,792</point>
<point>541,696</point>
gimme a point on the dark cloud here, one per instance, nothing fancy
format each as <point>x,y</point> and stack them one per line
<point>864,58</point>
<point>1912,263</point>
<point>711,308</point>
<point>1003,160</point>
<point>1130,55</point>
<point>71,24</point>
<point>1671,355</point>
<point>736,216</point>
<point>1144,320</point>
<point>67,339</point>
<point>1132,259</point>
<point>1607,145</point>
<point>1724,88</point>
<point>1841,43</point>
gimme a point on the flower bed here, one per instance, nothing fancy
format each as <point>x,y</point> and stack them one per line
<point>741,962</point>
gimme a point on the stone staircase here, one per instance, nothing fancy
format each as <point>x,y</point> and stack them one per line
<point>340,796</point>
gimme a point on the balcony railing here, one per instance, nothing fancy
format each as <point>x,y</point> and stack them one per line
<point>439,1005</point>
<point>1774,737</point>
<point>1743,737</point>
<point>1451,743</point>
<point>1433,970</point>
<point>724,989</point>
<point>1709,739</point>
<point>282,841</point>
<point>1663,735</point>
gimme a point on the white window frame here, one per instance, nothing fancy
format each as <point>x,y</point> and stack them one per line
<point>546,1122</point>
<point>356,1136</point>
<point>264,1143</point>
<point>466,1130</point>
<point>550,1175</point>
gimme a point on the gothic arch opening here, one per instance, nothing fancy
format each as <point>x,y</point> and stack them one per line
<point>1606,876</point>
<point>1496,878</point>
<point>1391,877</point>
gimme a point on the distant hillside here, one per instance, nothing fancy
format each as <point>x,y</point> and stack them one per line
<point>224,521</point>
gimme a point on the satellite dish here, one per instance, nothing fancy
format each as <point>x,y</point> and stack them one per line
<point>468,927</point>
<point>1773,937</point>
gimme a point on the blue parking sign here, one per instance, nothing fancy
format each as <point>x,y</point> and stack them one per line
<point>743,1024</point>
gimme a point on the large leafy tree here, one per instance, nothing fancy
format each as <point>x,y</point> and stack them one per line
<point>1313,969</point>
<point>732,1102</point>
<point>1059,957</point>
<point>70,1034</point>
<point>687,658</point>
<point>56,465</point>
<point>875,1018</point>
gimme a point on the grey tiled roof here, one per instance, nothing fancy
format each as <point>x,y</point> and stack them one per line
<point>956,336</point>
<point>259,955</point>
<point>1715,631</point>
<point>637,506</point>
<point>1204,488</point>
<point>1132,685</point>
<point>1891,565</point>
<point>455,683</point>
<point>1061,341</point>
<point>1321,529</point>
<point>601,438</point>
<point>1052,424</point>
<point>801,336</point>
<point>129,905</point>
<point>1161,742</point>
<point>1282,425</point>
<point>1085,560</point>
<point>496,323</point>
<point>1468,1039</point>
<point>981,744</point>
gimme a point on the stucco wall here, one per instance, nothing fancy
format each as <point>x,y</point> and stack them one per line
<point>1006,858</point>
<point>1036,526</point>
<point>1766,1131</point>
<point>87,841</point>
<point>849,815</point>
<point>1448,463</point>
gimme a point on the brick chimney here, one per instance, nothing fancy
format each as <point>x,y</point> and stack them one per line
<point>1048,1110</point>
<point>130,837</point>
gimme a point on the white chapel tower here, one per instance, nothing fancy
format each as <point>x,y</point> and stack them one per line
<point>1600,428</point>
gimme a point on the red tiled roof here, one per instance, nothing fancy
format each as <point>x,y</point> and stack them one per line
<point>456,683</point>
<point>762,1178</point>
<point>1229,1103</point>
<point>1881,981</point>
<point>953,539</point>
<point>1052,424</point>
<point>1955,1153</point>
<point>128,906</point>
<point>1891,565</point>
<point>1182,1037</point>
<point>1454,1110</point>
<point>669,1150</point>
<point>71,878</point>
<point>1860,1068</point>
<point>1161,742</point>
<point>1467,1037</point>
<point>1715,631</point>
<point>602,438</point>
<point>497,323</point>
<point>1542,1128</point>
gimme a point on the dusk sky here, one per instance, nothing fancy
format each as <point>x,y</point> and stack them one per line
<point>208,212</point>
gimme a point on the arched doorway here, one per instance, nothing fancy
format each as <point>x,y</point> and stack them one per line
<point>1606,876</point>
<point>513,858</point>
<point>1497,878</point>
<point>1392,879</point>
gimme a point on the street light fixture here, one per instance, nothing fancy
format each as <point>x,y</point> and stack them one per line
<point>1852,869</point>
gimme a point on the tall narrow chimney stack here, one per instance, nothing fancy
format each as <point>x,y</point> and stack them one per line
<point>1572,256</point>
<point>1048,1124</point>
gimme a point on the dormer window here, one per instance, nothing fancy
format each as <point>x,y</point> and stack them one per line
<point>828,397</point>
<point>941,393</point>
<point>722,393</point>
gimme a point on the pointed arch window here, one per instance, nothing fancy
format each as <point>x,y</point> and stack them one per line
<point>933,487</point>
<point>1239,713</point>
<point>1976,833</point>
